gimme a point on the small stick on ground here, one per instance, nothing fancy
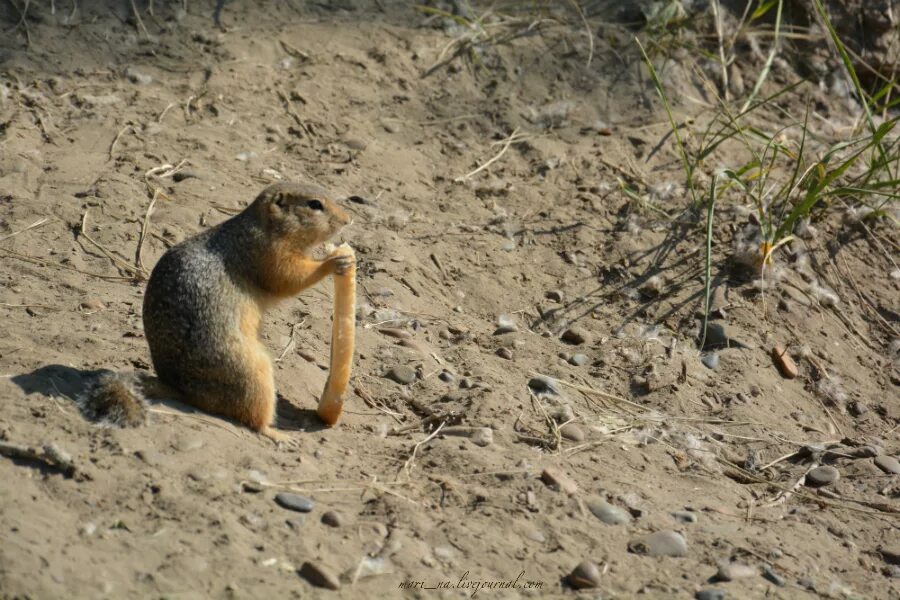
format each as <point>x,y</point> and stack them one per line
<point>145,228</point>
<point>112,146</point>
<point>49,455</point>
<point>137,274</point>
<point>227,427</point>
<point>407,466</point>
<point>32,226</point>
<point>513,138</point>
<point>140,23</point>
<point>786,494</point>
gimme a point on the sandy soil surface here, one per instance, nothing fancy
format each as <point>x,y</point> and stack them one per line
<point>633,447</point>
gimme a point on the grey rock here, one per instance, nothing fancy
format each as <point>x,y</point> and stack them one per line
<point>732,570</point>
<point>685,516</point>
<point>888,464</point>
<point>609,513</point>
<point>661,543</point>
<point>579,360</point>
<point>319,576</point>
<point>711,594</point>
<point>505,324</point>
<point>466,383</point>
<point>294,502</point>
<point>504,353</point>
<point>585,575</point>
<point>822,476</point>
<point>572,432</point>
<point>774,577</point>
<point>402,374</point>
<point>480,436</point>
<point>710,360</point>
<point>447,377</point>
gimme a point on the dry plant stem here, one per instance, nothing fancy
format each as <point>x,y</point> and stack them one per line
<point>209,421</point>
<point>48,455</point>
<point>145,228</point>
<point>135,273</point>
<point>786,494</point>
<point>343,333</point>
<point>32,226</point>
<point>112,146</point>
<point>407,466</point>
<point>513,138</point>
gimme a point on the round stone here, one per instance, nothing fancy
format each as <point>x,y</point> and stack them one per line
<point>661,543</point>
<point>822,476</point>
<point>585,575</point>
<point>888,464</point>
<point>402,374</point>
<point>332,519</point>
<point>579,360</point>
<point>294,502</point>
<point>608,513</point>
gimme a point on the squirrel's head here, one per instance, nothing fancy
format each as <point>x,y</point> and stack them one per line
<point>302,213</point>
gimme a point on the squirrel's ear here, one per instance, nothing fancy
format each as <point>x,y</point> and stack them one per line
<point>278,200</point>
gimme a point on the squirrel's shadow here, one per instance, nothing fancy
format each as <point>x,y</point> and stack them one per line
<point>60,380</point>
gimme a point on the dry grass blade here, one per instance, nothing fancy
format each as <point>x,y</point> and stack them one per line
<point>513,138</point>
<point>138,274</point>
<point>30,227</point>
<point>407,466</point>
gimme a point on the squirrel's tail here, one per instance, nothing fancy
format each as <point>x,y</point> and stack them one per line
<point>118,398</point>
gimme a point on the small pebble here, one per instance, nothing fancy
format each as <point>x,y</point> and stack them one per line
<point>575,335</point>
<point>888,464</point>
<point>579,360</point>
<point>585,575</point>
<point>505,353</point>
<point>685,516</point>
<point>542,384</point>
<point>732,571</point>
<point>505,324</point>
<point>252,487</point>
<point>92,304</point>
<point>661,543</point>
<point>554,295</point>
<point>555,478</point>
<point>446,377</point>
<point>332,518</point>
<point>400,334</point>
<point>319,576</point>
<point>710,360</point>
<point>784,362</point>
<point>572,432</point>
<point>821,476</point>
<point>480,436</point>
<point>294,502</point>
<point>771,575</point>
<point>466,383</point>
<point>710,594</point>
<point>608,513</point>
<point>402,374</point>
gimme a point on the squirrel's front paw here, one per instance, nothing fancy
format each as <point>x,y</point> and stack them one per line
<point>342,263</point>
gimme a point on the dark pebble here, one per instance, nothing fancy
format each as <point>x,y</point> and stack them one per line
<point>319,576</point>
<point>585,575</point>
<point>294,502</point>
<point>543,384</point>
<point>575,335</point>
<point>505,353</point>
<point>332,519</point>
<point>710,594</point>
<point>774,577</point>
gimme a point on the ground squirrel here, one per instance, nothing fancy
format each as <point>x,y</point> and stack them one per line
<point>207,295</point>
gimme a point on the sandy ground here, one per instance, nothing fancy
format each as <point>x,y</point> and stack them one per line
<point>544,239</point>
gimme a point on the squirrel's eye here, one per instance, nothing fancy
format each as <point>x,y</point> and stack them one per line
<point>315,205</point>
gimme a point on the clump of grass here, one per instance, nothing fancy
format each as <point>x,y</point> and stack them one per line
<point>786,177</point>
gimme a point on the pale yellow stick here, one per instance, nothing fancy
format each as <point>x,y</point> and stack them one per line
<point>343,331</point>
